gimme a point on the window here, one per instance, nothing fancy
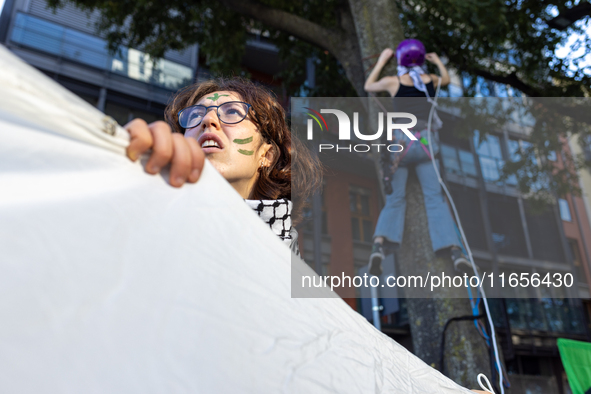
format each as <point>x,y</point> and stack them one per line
<point>93,51</point>
<point>546,314</point>
<point>564,210</point>
<point>520,150</point>
<point>527,146</point>
<point>458,161</point>
<point>505,221</point>
<point>514,151</point>
<point>468,204</point>
<point>123,114</point>
<point>308,214</point>
<point>543,232</point>
<point>490,146</point>
<point>577,260</point>
<point>361,223</point>
<point>450,159</point>
<point>528,152</point>
<point>490,156</point>
<point>467,161</point>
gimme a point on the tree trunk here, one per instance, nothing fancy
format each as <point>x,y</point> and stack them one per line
<point>378,27</point>
<point>465,351</point>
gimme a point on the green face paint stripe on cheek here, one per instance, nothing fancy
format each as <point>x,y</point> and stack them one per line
<point>246,152</point>
<point>244,141</point>
<point>216,96</point>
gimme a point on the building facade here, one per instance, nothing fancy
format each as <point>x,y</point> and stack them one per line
<point>126,84</point>
<point>65,45</point>
<point>505,231</point>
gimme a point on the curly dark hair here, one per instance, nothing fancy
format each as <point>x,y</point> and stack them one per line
<point>292,165</point>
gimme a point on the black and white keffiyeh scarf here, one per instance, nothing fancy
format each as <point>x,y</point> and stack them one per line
<point>277,214</point>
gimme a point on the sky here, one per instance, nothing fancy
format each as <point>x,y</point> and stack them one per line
<point>565,50</point>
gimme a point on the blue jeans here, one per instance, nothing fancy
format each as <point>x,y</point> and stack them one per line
<point>391,221</point>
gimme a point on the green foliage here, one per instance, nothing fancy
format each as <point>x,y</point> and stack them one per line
<point>331,80</point>
<point>221,35</point>
<point>330,76</point>
<point>555,169</point>
<point>155,27</point>
<point>506,41</point>
<point>503,40</point>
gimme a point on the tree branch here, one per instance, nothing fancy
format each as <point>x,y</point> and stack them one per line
<point>287,22</point>
<point>340,43</point>
<point>510,79</point>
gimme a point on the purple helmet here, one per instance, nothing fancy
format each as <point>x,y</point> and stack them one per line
<point>410,53</point>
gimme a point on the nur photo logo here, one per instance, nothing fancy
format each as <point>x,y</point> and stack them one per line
<point>390,119</point>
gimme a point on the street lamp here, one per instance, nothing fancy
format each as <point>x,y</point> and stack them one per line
<point>570,16</point>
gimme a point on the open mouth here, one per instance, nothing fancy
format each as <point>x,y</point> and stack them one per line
<point>210,142</point>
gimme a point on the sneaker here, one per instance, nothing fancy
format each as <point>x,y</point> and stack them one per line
<point>375,259</point>
<point>460,261</point>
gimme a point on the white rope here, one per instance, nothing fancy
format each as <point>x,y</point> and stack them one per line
<point>457,216</point>
<point>488,387</point>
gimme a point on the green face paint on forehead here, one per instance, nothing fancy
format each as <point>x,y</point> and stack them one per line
<point>216,96</point>
<point>244,141</point>
<point>246,152</point>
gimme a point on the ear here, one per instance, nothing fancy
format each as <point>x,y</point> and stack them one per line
<point>267,153</point>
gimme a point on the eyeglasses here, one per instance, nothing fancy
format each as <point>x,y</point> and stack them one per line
<point>231,112</point>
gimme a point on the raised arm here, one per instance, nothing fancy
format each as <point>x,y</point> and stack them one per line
<point>388,84</point>
<point>443,74</point>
